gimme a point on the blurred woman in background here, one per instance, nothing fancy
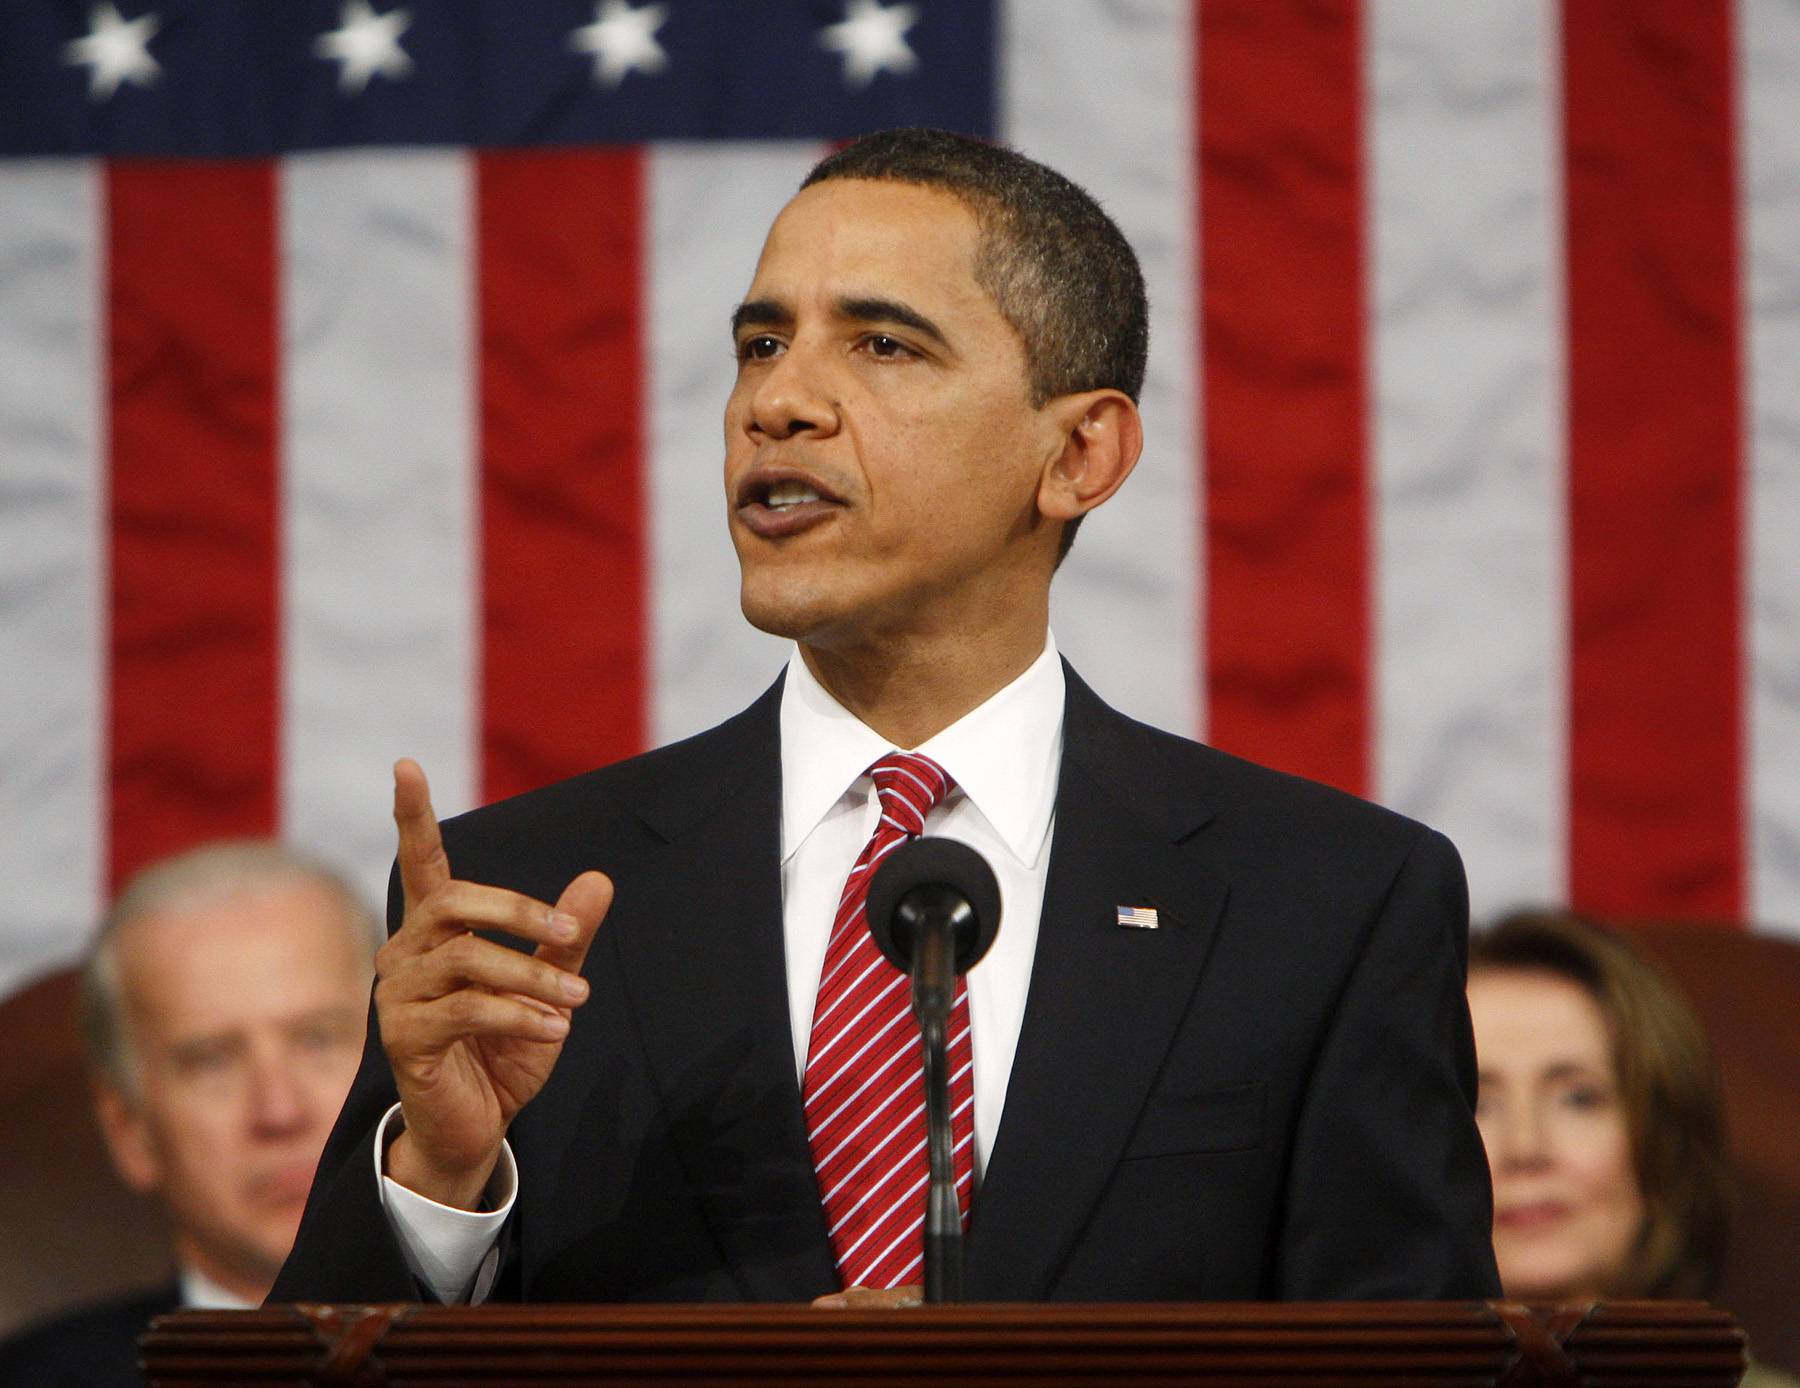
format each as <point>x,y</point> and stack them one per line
<point>1601,1111</point>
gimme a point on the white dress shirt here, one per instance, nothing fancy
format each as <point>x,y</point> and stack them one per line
<point>1003,756</point>
<point>200,1293</point>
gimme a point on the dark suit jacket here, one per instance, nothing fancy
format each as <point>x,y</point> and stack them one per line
<point>1269,1097</point>
<point>95,1347</point>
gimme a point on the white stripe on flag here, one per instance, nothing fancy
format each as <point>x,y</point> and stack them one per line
<point>379,577</point>
<point>1468,443</point>
<point>1125,607</point>
<point>53,566</point>
<point>1769,48</point>
<point>710,206</point>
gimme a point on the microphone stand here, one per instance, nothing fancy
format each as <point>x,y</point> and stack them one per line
<point>933,991</point>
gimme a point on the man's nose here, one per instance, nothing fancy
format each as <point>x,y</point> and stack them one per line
<point>794,396</point>
<point>279,1101</point>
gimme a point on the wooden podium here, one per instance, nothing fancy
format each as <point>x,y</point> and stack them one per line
<point>1621,1344</point>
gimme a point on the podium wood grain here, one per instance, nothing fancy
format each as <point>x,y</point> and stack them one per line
<point>1443,1344</point>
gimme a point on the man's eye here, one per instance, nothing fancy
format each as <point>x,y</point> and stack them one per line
<point>318,1038</point>
<point>881,345</point>
<point>203,1060</point>
<point>759,348</point>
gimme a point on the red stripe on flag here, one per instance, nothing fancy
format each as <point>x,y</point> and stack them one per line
<point>192,329</point>
<point>1655,752</point>
<point>1281,235</point>
<point>562,448</point>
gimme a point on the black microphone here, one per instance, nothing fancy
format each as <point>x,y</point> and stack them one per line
<point>934,908</point>
<point>934,879</point>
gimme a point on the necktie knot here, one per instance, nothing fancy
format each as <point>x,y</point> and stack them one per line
<point>910,787</point>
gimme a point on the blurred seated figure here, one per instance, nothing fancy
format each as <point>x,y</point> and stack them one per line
<point>225,1004</point>
<point>1600,1108</point>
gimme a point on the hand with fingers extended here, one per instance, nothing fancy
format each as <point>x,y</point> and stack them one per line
<point>472,1028</point>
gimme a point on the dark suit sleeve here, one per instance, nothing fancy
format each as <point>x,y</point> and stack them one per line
<point>346,1249</point>
<point>91,1348</point>
<point>1389,1194</point>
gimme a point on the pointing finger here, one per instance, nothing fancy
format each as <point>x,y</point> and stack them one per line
<point>423,864</point>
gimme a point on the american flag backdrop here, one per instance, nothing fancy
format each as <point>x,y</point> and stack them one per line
<point>361,368</point>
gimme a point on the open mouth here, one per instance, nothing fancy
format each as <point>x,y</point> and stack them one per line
<point>775,507</point>
<point>784,496</point>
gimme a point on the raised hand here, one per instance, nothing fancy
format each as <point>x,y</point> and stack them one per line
<point>471,1028</point>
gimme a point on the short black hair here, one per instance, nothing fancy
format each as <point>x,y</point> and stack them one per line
<point>1058,268</point>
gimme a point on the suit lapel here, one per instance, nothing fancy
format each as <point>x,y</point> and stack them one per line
<point>1104,1001</point>
<point>710,997</point>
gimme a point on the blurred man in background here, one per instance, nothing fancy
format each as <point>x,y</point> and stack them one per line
<point>225,1003</point>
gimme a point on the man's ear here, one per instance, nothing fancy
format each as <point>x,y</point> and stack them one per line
<point>1102,436</point>
<point>127,1136</point>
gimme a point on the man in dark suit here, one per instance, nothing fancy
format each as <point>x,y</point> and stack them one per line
<point>223,1002</point>
<point>1220,1049</point>
<point>94,1347</point>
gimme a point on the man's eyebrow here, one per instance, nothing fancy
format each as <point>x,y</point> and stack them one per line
<point>874,310</point>
<point>759,313</point>
<point>771,313</point>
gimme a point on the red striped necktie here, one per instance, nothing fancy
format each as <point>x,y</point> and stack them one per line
<point>865,1089</point>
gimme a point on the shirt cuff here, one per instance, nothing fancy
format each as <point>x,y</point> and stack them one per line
<point>455,1253</point>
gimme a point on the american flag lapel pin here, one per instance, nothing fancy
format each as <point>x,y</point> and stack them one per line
<point>1138,917</point>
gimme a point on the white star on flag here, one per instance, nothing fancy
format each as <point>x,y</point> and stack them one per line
<point>366,43</point>
<point>872,38</point>
<point>622,40</point>
<point>115,50</point>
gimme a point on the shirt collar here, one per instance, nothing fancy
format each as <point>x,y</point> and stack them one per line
<point>1004,754</point>
<point>200,1293</point>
